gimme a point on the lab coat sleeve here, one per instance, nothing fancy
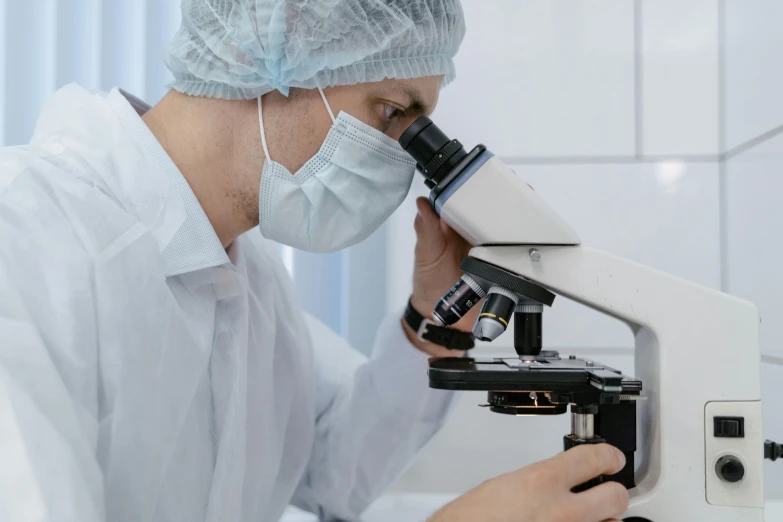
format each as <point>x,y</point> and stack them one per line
<point>48,360</point>
<point>373,417</point>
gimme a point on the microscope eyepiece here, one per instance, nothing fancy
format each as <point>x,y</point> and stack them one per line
<point>435,153</point>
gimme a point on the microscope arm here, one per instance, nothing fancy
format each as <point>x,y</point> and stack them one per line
<point>697,352</point>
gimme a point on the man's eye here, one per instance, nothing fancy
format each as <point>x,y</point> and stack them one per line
<point>392,112</point>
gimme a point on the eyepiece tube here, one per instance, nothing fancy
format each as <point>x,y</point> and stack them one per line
<point>458,301</point>
<point>434,152</point>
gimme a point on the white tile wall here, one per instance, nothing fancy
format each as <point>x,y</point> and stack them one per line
<point>754,189</point>
<point>679,77</point>
<point>753,74</point>
<point>543,78</point>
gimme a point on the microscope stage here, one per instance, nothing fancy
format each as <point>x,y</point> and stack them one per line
<point>547,373</point>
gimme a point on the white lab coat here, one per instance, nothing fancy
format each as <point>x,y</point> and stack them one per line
<point>148,375</point>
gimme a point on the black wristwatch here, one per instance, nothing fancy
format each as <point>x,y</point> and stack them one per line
<point>428,330</point>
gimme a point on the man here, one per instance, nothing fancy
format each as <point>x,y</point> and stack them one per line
<point>154,363</point>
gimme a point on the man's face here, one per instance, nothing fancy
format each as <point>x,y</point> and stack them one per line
<point>389,105</point>
<point>296,126</point>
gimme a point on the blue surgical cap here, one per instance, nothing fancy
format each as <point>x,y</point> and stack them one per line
<point>242,49</point>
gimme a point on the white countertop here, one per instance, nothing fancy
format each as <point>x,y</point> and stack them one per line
<point>413,507</point>
<point>774,511</point>
<point>408,507</point>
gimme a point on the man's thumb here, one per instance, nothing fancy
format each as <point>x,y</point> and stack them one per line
<point>427,222</point>
<point>430,240</point>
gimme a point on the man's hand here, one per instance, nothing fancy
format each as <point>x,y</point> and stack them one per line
<point>439,252</point>
<point>542,492</point>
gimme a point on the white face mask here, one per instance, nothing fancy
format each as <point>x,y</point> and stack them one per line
<point>341,195</point>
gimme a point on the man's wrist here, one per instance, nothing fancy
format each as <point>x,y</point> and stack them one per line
<point>431,349</point>
<point>431,338</point>
<point>412,337</point>
<point>422,305</point>
<point>469,507</point>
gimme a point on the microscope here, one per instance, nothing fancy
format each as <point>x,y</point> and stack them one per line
<point>689,421</point>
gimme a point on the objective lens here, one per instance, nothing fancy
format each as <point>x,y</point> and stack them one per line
<point>435,153</point>
<point>495,314</point>
<point>527,330</point>
<point>458,301</point>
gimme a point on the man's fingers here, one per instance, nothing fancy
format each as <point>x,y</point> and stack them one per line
<point>427,222</point>
<point>586,462</point>
<point>602,502</point>
<point>426,211</point>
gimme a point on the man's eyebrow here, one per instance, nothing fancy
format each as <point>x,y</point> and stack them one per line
<point>415,102</point>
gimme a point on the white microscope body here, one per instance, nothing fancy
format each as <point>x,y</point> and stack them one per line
<point>696,349</point>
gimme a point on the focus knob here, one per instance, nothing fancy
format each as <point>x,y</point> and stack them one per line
<point>730,469</point>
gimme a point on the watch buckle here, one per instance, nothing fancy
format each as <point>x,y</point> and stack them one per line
<point>422,331</point>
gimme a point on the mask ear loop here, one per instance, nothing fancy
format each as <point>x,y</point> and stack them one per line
<point>328,108</point>
<point>261,125</point>
<point>261,120</point>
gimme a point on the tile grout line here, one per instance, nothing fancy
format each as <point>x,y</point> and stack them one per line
<point>723,204</point>
<point>3,95</point>
<point>751,143</point>
<point>688,158</point>
<point>597,160</point>
<point>638,80</point>
<point>723,210</point>
<point>721,78</point>
<point>771,359</point>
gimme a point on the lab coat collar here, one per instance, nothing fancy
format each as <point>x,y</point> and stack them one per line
<point>185,236</point>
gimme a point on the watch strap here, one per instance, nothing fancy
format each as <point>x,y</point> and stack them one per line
<point>429,331</point>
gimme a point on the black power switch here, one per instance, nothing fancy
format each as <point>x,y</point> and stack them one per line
<point>729,427</point>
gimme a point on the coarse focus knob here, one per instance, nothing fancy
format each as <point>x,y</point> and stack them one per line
<point>730,469</point>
